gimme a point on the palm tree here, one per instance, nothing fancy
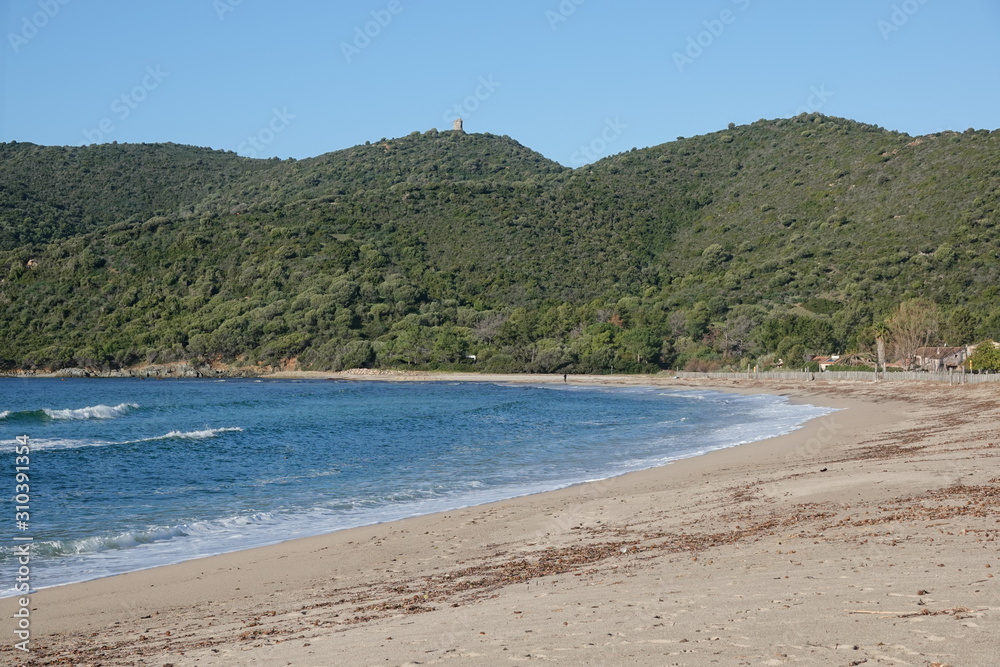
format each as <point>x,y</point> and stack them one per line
<point>881,331</point>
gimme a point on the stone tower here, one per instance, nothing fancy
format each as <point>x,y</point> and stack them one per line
<point>458,125</point>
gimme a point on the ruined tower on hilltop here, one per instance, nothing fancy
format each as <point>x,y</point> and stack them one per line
<point>458,125</point>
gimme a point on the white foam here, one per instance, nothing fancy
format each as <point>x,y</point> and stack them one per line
<point>190,435</point>
<point>92,412</point>
<point>700,395</point>
<point>40,444</point>
<point>101,543</point>
<point>295,478</point>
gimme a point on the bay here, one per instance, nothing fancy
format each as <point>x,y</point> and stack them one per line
<point>131,474</point>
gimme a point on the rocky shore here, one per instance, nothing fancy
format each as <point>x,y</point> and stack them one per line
<point>153,371</point>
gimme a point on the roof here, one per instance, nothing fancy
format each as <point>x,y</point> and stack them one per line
<point>938,352</point>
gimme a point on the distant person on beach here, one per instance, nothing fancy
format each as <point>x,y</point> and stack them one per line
<point>564,377</point>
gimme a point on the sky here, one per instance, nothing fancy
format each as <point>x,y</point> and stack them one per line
<point>575,80</point>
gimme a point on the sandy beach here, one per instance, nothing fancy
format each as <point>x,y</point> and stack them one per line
<point>867,537</point>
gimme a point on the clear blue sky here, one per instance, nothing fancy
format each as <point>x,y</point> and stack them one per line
<point>557,75</point>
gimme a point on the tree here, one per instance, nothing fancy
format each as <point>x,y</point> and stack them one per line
<point>450,344</point>
<point>960,327</point>
<point>487,328</point>
<point>881,333</point>
<point>734,336</point>
<point>677,324</point>
<point>985,358</point>
<point>642,344</point>
<point>714,256</point>
<point>913,325</point>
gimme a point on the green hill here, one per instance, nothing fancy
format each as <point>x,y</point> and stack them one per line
<point>778,238</point>
<point>49,193</point>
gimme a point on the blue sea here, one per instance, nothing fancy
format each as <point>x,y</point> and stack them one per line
<point>131,474</point>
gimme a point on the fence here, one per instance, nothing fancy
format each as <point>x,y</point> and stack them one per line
<point>848,376</point>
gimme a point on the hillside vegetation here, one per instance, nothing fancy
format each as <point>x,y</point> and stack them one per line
<point>774,240</point>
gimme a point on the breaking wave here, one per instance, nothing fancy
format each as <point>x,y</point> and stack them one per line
<point>205,434</point>
<point>89,412</point>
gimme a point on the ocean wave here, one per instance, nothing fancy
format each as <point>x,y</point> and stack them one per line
<point>24,416</point>
<point>316,474</point>
<point>48,444</point>
<point>92,412</point>
<point>40,444</point>
<point>155,534</point>
<point>204,434</point>
<point>100,543</point>
<point>700,395</point>
<point>89,412</point>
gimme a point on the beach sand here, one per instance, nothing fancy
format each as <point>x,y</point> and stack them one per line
<point>867,537</point>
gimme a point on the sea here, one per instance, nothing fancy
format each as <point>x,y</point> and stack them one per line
<point>129,474</point>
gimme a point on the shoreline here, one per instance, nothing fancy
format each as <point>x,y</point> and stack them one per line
<point>612,382</point>
<point>598,530</point>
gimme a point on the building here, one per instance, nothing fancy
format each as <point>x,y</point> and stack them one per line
<point>940,359</point>
<point>973,348</point>
<point>826,361</point>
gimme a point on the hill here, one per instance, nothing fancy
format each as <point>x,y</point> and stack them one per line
<point>775,239</point>
<point>50,193</point>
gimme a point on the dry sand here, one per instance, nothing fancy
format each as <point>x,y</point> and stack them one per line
<point>867,537</point>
